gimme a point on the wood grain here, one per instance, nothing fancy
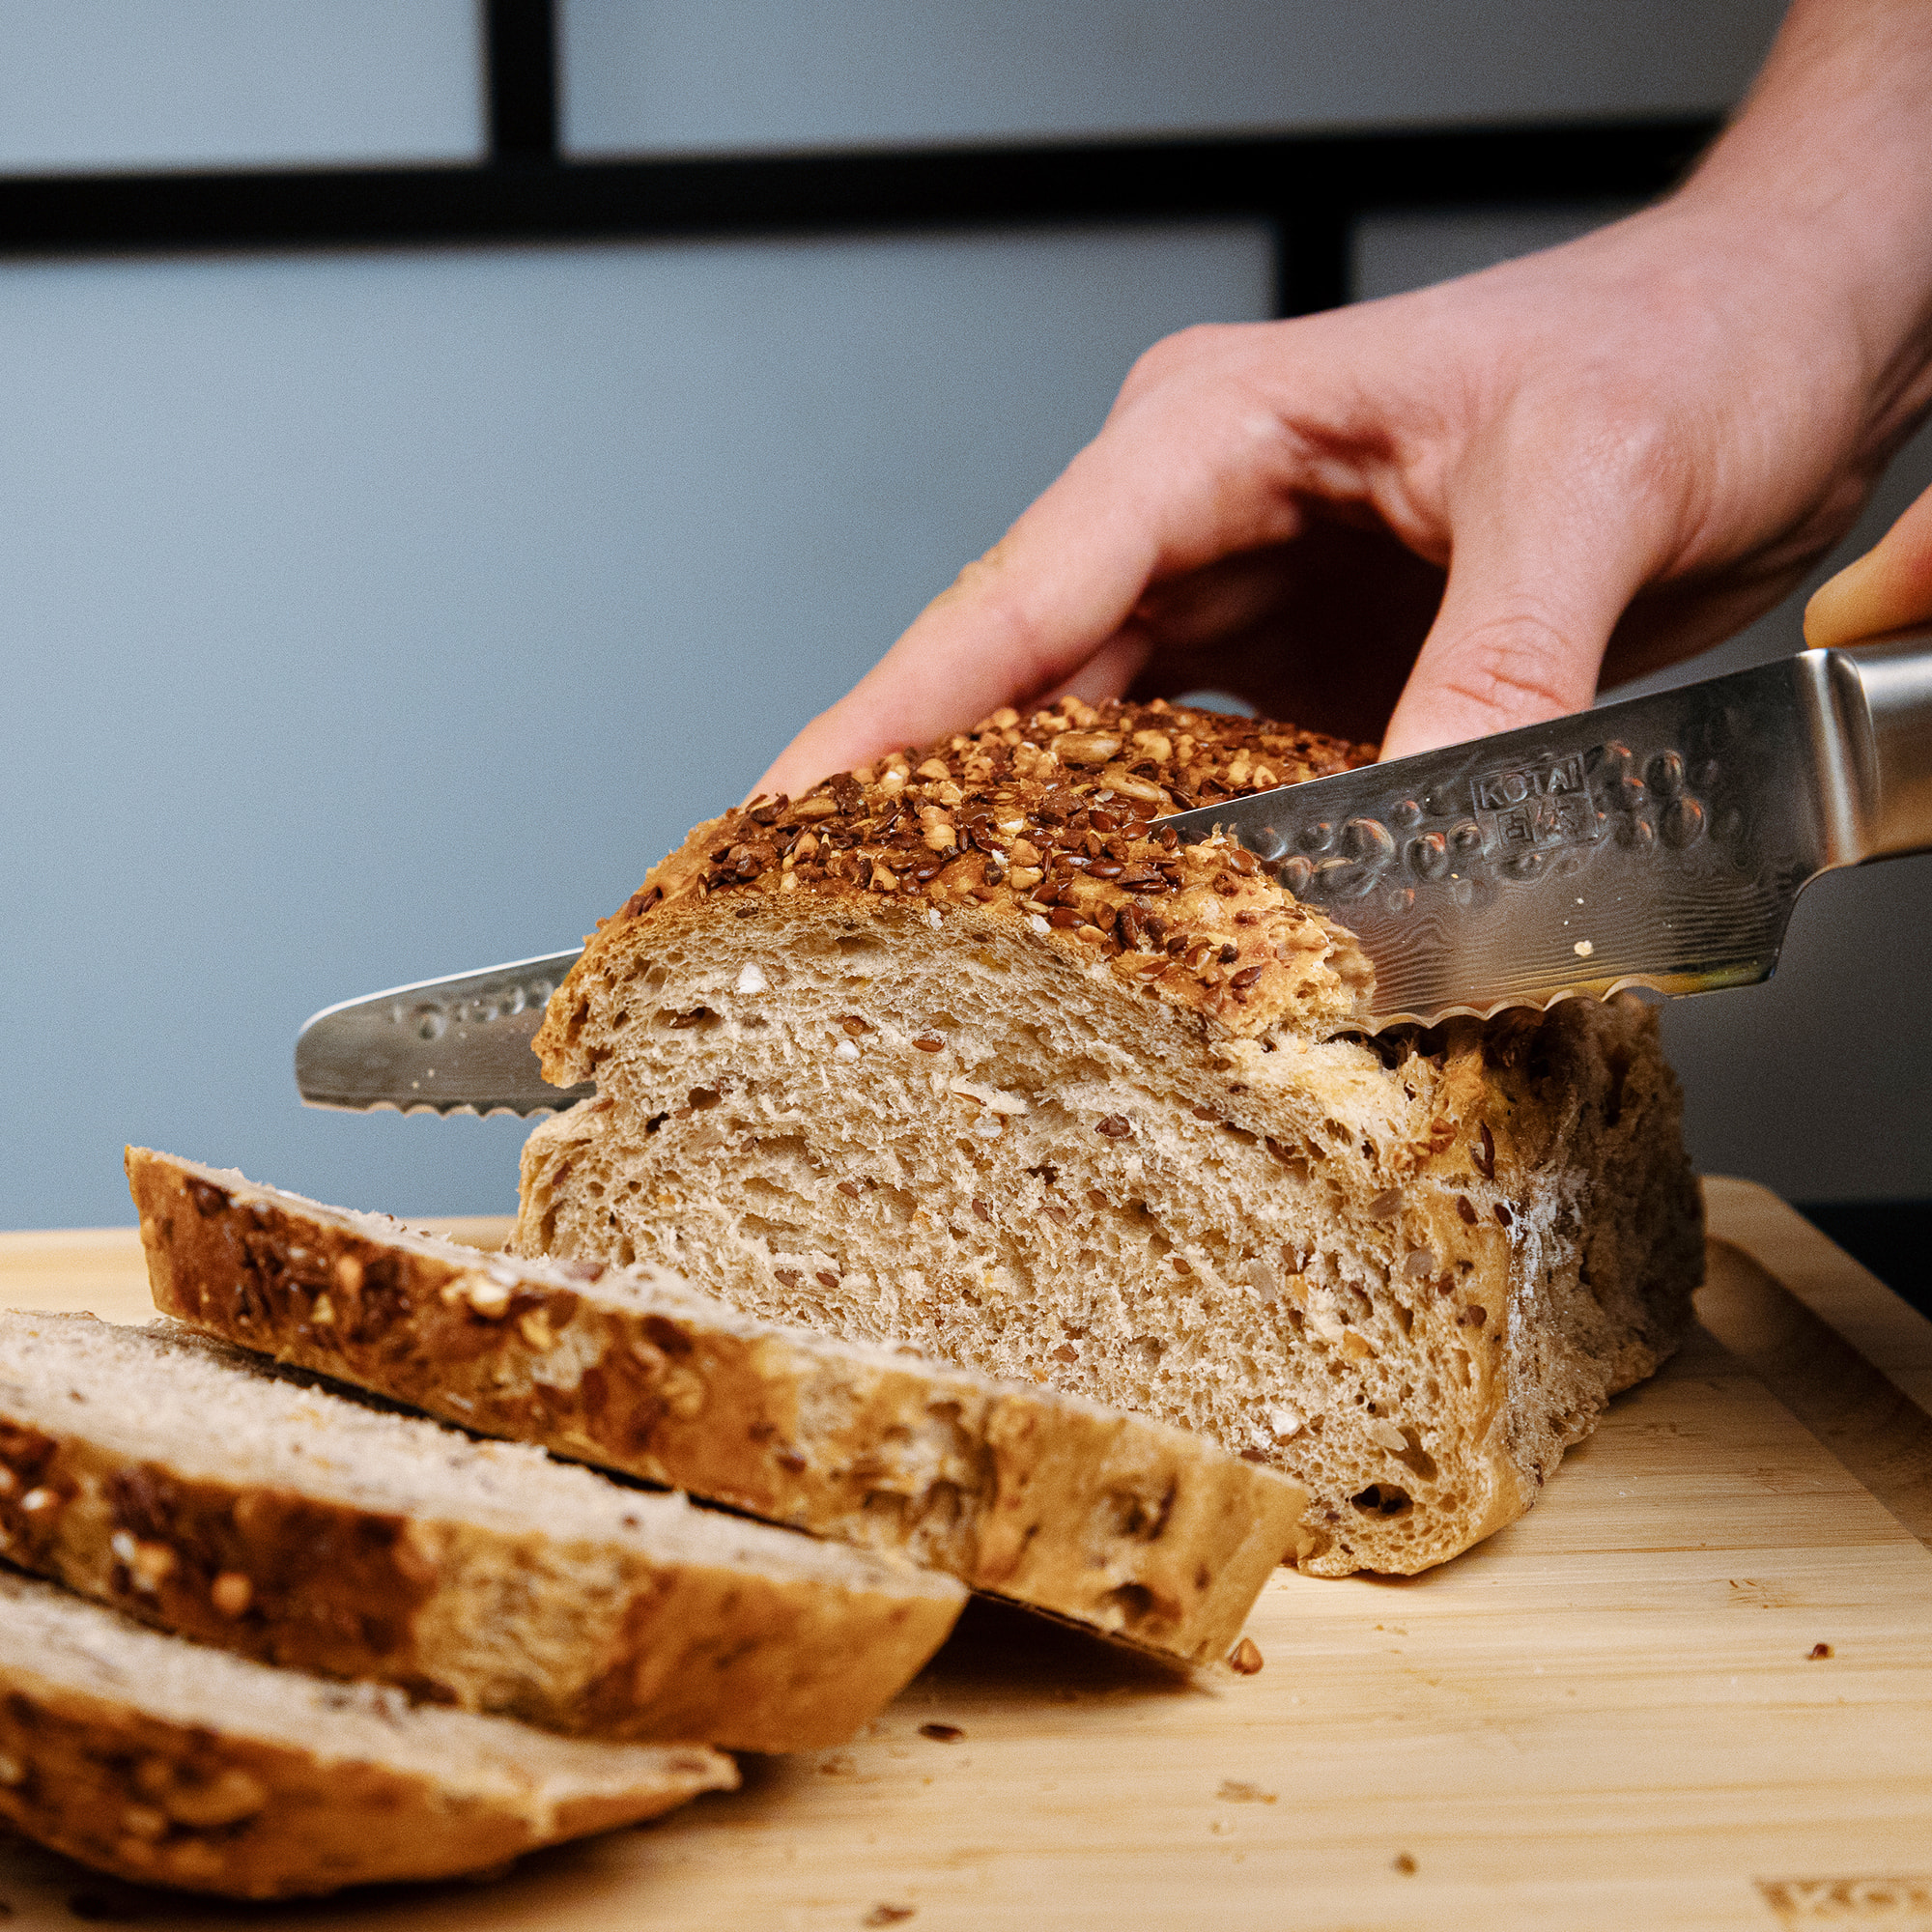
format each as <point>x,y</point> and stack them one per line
<point>1609,1715</point>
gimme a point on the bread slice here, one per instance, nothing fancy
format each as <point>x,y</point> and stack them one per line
<point>953,1053</point>
<point>1144,1532</point>
<point>175,1765</point>
<point>190,1486</point>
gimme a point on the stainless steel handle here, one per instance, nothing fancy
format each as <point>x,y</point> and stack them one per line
<point>1894,680</point>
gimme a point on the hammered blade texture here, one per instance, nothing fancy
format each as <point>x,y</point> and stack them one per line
<point>1658,843</point>
<point>440,1046</point>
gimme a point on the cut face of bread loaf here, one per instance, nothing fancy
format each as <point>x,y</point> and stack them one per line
<point>177,1479</point>
<point>1144,1532</point>
<point>954,1053</point>
<point>175,1765</point>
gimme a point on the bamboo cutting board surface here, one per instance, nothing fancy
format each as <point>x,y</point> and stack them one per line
<point>1613,1714</point>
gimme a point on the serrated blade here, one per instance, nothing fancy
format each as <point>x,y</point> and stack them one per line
<point>1657,843</point>
<point>438,1047</point>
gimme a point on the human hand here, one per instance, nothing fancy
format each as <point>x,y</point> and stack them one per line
<point>1636,442</point>
<point>1473,498</point>
<point>1889,589</point>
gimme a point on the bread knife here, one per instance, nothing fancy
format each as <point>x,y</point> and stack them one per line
<point>1657,843</point>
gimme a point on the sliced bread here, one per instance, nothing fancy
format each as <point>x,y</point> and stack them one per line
<point>1144,1532</point>
<point>957,1052</point>
<point>194,1488</point>
<point>172,1764</point>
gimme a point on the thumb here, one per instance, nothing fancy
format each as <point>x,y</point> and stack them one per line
<point>1886,589</point>
<point>1538,578</point>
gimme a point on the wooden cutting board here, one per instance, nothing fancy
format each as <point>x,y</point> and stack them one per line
<point>1694,1687</point>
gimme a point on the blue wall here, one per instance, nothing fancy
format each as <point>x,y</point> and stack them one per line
<point>93,84</point>
<point>670,75</point>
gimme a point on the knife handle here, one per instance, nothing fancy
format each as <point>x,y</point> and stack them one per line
<point>1884,693</point>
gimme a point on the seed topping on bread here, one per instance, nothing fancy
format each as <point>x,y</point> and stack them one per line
<point>1043,820</point>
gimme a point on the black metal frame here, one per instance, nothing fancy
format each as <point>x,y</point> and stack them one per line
<point>1311,188</point>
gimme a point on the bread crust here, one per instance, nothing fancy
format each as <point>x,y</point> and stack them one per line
<point>224,1803</point>
<point>618,1638</point>
<point>1145,1533</point>
<point>1130,1141</point>
<point>1040,824</point>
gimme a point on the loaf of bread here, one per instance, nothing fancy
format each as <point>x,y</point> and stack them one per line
<point>1140,1531</point>
<point>195,1488</point>
<point>954,1052</point>
<point>171,1764</point>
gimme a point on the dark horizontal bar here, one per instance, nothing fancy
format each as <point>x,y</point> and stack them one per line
<point>530,199</point>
